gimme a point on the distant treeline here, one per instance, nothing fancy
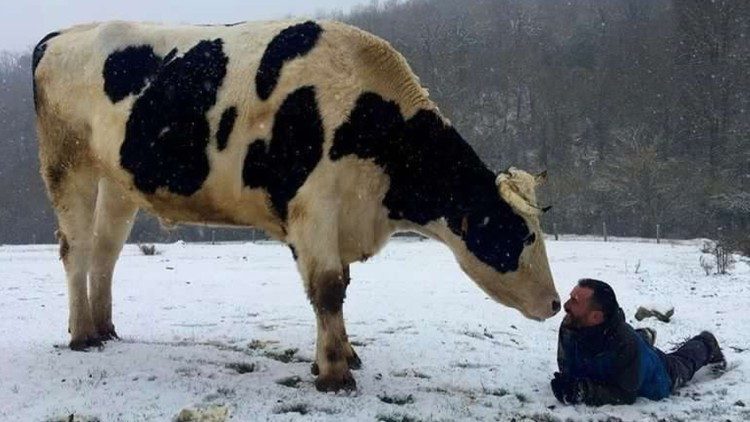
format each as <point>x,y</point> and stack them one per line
<point>639,110</point>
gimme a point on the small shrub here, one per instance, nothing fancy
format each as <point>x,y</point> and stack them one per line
<point>723,258</point>
<point>723,261</point>
<point>148,249</point>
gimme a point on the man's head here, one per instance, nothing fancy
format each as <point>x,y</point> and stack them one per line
<point>591,303</point>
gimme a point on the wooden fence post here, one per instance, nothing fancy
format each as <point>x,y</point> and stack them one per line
<point>658,235</point>
<point>604,230</point>
<point>554,229</point>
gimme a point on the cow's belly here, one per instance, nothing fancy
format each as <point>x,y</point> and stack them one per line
<point>364,227</point>
<point>221,200</point>
<point>179,185</point>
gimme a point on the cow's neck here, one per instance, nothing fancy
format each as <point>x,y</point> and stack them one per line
<point>434,173</point>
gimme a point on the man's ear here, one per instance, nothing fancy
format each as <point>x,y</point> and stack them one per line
<point>596,317</point>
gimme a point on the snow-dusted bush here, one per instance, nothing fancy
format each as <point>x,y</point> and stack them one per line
<point>148,249</point>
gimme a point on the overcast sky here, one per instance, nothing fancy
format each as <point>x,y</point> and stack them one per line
<point>24,22</point>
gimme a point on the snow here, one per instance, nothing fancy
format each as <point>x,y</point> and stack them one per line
<point>433,346</point>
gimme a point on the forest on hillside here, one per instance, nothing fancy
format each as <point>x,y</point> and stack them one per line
<point>638,109</point>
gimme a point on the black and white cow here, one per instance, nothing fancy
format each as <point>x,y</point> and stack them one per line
<point>317,132</point>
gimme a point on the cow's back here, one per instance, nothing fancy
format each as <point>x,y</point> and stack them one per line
<point>193,119</point>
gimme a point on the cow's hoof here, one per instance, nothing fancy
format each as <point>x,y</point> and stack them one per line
<point>326,384</point>
<point>314,369</point>
<point>85,344</point>
<point>354,361</point>
<point>108,334</point>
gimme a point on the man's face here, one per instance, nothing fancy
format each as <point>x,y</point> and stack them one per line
<point>578,309</point>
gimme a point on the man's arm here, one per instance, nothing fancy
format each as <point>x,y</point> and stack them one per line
<point>597,394</point>
<point>564,354</point>
<point>563,381</point>
<point>622,388</point>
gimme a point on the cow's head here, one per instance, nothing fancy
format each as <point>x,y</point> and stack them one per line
<point>501,247</point>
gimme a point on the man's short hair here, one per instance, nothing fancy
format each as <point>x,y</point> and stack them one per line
<point>603,299</point>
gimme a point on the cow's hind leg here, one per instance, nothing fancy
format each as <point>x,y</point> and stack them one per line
<point>74,197</point>
<point>352,359</point>
<point>112,223</point>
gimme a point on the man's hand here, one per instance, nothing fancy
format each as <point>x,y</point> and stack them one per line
<point>576,392</point>
<point>568,390</point>
<point>559,386</point>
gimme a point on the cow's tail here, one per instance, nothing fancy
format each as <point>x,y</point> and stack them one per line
<point>36,57</point>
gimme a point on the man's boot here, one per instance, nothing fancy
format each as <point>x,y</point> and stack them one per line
<point>716,357</point>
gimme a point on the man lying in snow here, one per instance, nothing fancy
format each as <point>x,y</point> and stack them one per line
<point>603,360</point>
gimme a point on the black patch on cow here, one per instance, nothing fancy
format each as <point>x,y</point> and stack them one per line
<point>294,41</point>
<point>225,127</point>
<point>282,165</point>
<point>433,174</point>
<point>167,132</point>
<point>36,57</point>
<point>39,50</point>
<point>127,71</point>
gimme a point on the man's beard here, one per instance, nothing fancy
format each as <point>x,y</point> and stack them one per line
<point>571,321</point>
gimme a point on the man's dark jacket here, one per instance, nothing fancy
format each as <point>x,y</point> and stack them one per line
<point>613,361</point>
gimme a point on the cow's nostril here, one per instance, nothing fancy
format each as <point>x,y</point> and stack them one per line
<point>555,305</point>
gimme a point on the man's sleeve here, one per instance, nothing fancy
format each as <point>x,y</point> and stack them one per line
<point>623,387</point>
<point>564,355</point>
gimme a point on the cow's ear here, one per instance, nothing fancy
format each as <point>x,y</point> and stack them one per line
<point>464,225</point>
<point>510,193</point>
<point>540,178</point>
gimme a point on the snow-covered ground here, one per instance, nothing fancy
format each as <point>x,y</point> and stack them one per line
<point>225,324</point>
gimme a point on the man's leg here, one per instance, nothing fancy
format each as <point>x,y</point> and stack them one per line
<point>697,352</point>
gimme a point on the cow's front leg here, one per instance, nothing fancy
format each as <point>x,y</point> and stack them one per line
<point>327,290</point>
<point>352,359</point>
